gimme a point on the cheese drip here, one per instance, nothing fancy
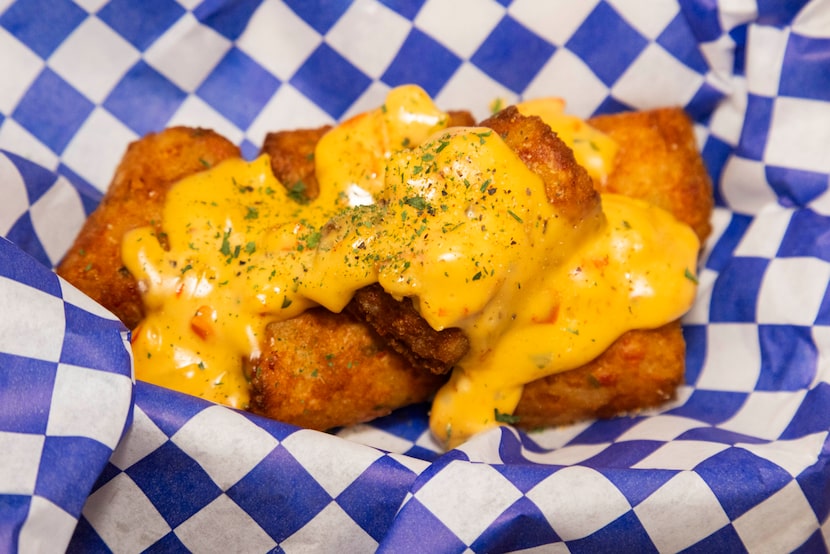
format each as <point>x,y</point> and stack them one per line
<point>451,218</point>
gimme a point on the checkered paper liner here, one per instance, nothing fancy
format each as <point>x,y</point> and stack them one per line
<point>91,461</point>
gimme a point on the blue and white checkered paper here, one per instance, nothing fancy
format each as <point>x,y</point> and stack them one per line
<point>90,461</point>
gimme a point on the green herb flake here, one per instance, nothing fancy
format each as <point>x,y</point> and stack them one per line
<point>225,249</point>
<point>252,213</point>
<point>483,136</point>
<point>690,276</point>
<point>417,202</point>
<point>285,302</point>
<point>510,419</point>
<point>250,248</point>
<point>497,106</point>
<point>514,216</point>
<point>313,239</point>
<point>297,193</point>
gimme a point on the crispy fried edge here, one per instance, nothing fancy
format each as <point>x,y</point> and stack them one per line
<point>135,198</point>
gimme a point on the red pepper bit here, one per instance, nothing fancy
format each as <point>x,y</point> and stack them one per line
<point>600,263</point>
<point>202,322</point>
<point>552,316</point>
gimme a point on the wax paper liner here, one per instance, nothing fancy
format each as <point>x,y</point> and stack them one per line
<point>738,462</point>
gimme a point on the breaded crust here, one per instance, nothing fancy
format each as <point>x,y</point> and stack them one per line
<point>322,370</point>
<point>134,199</point>
<point>640,370</point>
<point>658,161</point>
<point>400,325</point>
<point>292,158</point>
<point>567,184</point>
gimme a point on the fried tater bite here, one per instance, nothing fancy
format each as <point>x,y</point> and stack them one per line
<point>292,159</point>
<point>134,199</point>
<point>639,370</point>
<point>567,184</point>
<point>658,161</point>
<point>322,370</point>
<point>403,328</point>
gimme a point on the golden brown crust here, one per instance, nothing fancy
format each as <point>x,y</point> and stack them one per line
<point>658,161</point>
<point>292,159</point>
<point>567,184</point>
<point>400,325</point>
<point>641,369</point>
<point>134,199</point>
<point>322,370</point>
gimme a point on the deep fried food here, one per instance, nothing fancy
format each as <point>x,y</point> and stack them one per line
<point>292,159</point>
<point>322,370</point>
<point>568,187</point>
<point>134,199</point>
<point>658,161</point>
<point>403,328</point>
<point>642,369</point>
<point>567,184</point>
<point>352,375</point>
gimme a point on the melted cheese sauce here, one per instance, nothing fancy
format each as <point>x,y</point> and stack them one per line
<point>449,217</point>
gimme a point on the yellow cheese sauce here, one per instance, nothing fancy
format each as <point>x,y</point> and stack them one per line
<point>449,217</point>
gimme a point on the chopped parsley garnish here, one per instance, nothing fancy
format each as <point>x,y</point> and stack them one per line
<point>297,193</point>
<point>505,418</point>
<point>417,202</point>
<point>514,216</point>
<point>226,245</point>
<point>313,239</point>
<point>690,276</point>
